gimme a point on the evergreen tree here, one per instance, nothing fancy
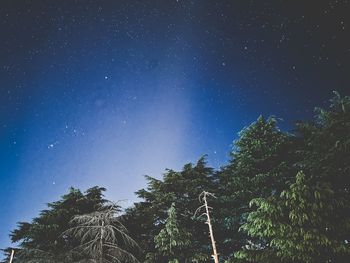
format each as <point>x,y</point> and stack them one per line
<point>324,155</point>
<point>41,240</point>
<point>172,241</point>
<point>301,226</point>
<point>325,152</point>
<point>261,166</point>
<point>102,236</point>
<point>146,219</point>
<point>302,219</point>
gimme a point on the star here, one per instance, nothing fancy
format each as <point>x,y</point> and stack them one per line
<point>52,145</point>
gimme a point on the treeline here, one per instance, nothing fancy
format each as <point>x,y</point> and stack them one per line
<point>283,197</point>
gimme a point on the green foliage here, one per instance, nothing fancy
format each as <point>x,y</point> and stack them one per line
<point>146,219</point>
<point>41,239</point>
<point>300,225</point>
<point>263,213</point>
<point>310,221</point>
<point>260,167</point>
<point>172,241</point>
<point>325,152</point>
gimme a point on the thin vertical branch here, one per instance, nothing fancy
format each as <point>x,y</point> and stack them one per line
<point>203,198</point>
<point>12,254</point>
<point>101,242</point>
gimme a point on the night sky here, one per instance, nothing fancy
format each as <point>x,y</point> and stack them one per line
<point>104,92</point>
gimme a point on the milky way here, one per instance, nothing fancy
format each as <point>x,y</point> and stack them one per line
<point>104,92</point>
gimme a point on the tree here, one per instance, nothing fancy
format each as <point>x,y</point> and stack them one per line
<point>301,225</point>
<point>290,219</point>
<point>325,152</point>
<point>172,241</point>
<point>203,198</point>
<point>99,234</point>
<point>41,239</point>
<point>261,166</point>
<point>146,219</point>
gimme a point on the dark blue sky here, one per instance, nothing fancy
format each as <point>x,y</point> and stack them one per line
<point>104,92</point>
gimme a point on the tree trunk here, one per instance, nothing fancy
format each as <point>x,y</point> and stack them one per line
<point>12,254</point>
<point>213,243</point>
<point>203,198</point>
<point>101,243</point>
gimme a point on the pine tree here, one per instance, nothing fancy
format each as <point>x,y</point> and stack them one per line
<point>325,152</point>
<point>322,194</point>
<point>301,226</point>
<point>41,240</point>
<point>172,241</point>
<point>101,236</point>
<point>260,167</point>
<point>146,219</point>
